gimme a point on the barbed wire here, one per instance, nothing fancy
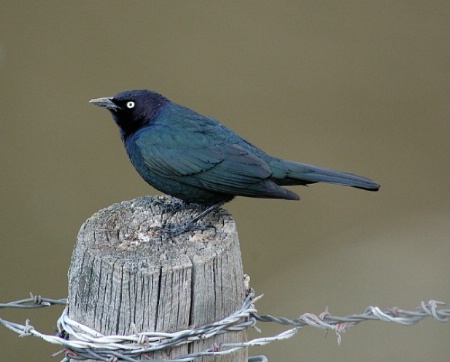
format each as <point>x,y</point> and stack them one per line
<point>86,343</point>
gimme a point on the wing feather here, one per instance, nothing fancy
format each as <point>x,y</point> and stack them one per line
<point>219,167</point>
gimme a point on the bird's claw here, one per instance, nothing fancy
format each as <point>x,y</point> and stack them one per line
<point>175,230</point>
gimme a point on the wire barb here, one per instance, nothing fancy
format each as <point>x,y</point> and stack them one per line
<point>86,343</point>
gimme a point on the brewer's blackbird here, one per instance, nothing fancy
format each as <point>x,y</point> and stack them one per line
<point>197,159</point>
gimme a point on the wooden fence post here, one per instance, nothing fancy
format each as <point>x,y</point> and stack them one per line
<point>126,277</point>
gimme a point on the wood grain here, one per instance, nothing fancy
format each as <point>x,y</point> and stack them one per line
<point>125,276</point>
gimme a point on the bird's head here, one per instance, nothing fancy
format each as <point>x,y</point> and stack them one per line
<point>132,109</point>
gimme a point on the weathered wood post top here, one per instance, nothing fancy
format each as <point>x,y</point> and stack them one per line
<point>126,276</point>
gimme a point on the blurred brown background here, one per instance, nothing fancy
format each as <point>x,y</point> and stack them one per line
<point>353,85</point>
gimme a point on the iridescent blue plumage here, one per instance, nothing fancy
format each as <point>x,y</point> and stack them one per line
<point>197,159</point>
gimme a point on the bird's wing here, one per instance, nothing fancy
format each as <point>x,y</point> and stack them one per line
<point>193,159</point>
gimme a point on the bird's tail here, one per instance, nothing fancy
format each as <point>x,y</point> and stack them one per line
<point>295,173</point>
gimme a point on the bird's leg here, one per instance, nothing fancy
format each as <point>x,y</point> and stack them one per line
<point>179,229</point>
<point>203,214</point>
<point>174,205</point>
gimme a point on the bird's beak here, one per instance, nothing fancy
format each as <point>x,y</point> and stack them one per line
<point>105,102</point>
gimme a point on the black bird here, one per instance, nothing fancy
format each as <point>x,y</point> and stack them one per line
<point>197,159</point>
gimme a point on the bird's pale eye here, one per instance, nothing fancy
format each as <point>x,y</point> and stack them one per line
<point>130,104</point>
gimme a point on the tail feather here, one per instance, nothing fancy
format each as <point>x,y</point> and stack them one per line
<point>294,173</point>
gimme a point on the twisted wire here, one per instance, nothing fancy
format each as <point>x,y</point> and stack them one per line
<point>86,343</point>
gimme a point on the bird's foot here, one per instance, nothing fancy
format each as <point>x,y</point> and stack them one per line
<point>173,206</point>
<point>175,230</point>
